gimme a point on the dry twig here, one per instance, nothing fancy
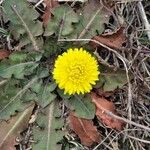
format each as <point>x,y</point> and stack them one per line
<point>144,19</point>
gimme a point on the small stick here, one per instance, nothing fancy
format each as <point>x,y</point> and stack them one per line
<point>1,1</point>
<point>50,117</point>
<point>144,19</point>
<point>141,140</point>
<point>127,121</point>
<point>38,3</point>
<point>2,82</point>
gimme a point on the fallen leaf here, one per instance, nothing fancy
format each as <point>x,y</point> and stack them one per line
<point>47,13</point>
<point>10,130</point>
<point>112,40</point>
<point>109,3</point>
<point>100,92</point>
<point>4,54</point>
<point>85,129</point>
<point>103,106</point>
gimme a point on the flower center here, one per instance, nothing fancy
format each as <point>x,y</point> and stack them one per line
<point>76,73</point>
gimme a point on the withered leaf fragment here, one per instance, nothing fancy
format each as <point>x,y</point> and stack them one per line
<point>85,129</point>
<point>112,40</point>
<point>103,105</point>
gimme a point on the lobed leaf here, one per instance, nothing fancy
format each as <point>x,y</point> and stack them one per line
<point>112,79</point>
<point>41,93</point>
<point>19,65</point>
<point>11,93</point>
<point>28,14</point>
<point>50,131</point>
<point>82,106</point>
<point>61,13</point>
<point>90,22</point>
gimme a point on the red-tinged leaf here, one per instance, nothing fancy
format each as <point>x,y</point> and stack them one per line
<point>103,106</point>
<point>112,40</point>
<point>47,13</point>
<point>11,129</point>
<point>85,129</point>
<point>4,54</point>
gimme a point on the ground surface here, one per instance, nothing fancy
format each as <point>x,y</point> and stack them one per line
<point>35,114</point>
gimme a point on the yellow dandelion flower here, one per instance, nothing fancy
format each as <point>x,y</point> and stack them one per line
<point>76,71</point>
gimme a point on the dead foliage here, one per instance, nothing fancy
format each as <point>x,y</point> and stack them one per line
<point>112,40</point>
<point>47,13</point>
<point>103,105</point>
<point>4,54</point>
<point>11,129</point>
<point>85,129</point>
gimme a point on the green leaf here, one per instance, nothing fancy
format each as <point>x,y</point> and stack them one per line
<point>15,9</point>
<point>83,106</point>
<point>24,41</point>
<point>62,12</point>
<point>42,72</point>
<point>18,70</point>
<point>36,87</point>
<point>10,97</point>
<point>19,64</point>
<point>44,95</point>
<point>62,95</point>
<point>90,14</point>
<point>111,79</point>
<point>50,131</point>
<point>11,130</point>
<point>18,57</point>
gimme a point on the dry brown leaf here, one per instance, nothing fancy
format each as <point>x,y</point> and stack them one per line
<point>109,3</point>
<point>112,40</point>
<point>4,54</point>
<point>11,129</point>
<point>103,105</point>
<point>101,93</point>
<point>47,13</point>
<point>85,129</point>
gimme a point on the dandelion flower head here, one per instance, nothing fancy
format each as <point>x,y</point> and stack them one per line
<point>75,71</point>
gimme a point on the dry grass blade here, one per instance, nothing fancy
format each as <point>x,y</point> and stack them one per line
<point>50,116</point>
<point>144,19</point>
